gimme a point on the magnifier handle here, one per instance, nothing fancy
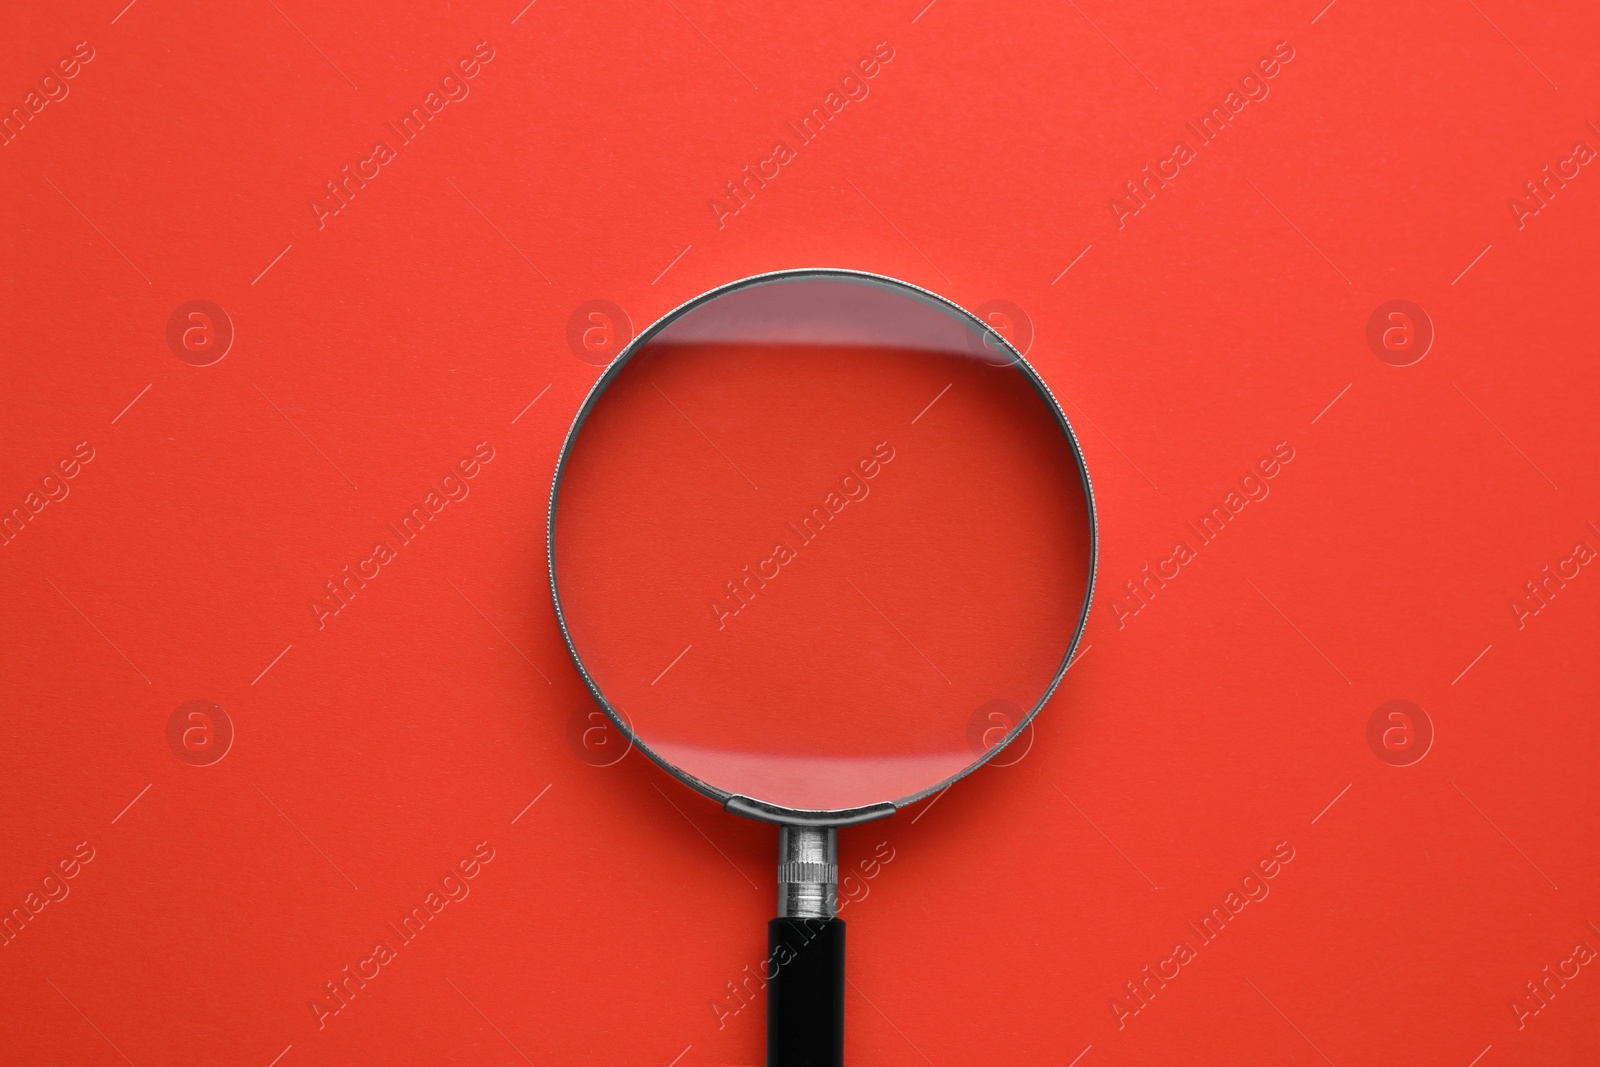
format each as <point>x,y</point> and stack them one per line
<point>805,953</point>
<point>805,996</point>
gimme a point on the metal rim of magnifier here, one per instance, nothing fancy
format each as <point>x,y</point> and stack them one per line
<point>747,806</point>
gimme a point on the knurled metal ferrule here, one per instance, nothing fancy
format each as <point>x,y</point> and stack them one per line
<point>808,872</point>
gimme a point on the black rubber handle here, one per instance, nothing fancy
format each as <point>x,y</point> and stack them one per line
<point>805,997</point>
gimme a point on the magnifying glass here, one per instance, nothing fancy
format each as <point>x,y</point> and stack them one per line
<point>821,543</point>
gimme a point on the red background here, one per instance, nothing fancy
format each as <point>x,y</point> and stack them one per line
<point>373,353</point>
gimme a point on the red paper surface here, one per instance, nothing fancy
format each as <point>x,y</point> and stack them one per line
<point>157,595</point>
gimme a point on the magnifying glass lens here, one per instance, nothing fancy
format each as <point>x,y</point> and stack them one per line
<point>822,542</point>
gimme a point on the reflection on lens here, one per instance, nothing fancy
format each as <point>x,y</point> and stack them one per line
<point>808,528</point>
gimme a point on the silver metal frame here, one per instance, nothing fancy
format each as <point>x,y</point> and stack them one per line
<point>748,806</point>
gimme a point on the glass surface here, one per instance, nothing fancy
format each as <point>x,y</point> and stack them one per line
<point>810,534</point>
